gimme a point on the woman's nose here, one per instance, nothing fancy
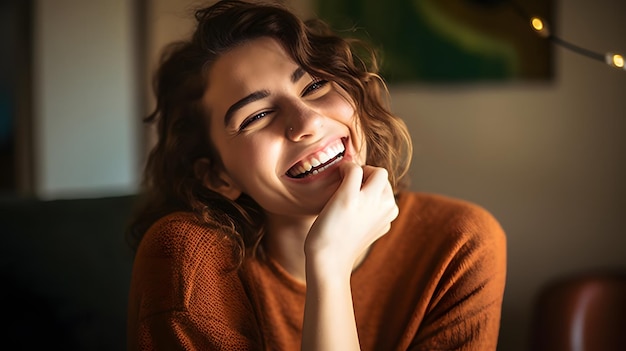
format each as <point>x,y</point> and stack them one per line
<point>303,122</point>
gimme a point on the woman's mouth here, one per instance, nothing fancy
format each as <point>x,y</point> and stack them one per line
<point>319,161</point>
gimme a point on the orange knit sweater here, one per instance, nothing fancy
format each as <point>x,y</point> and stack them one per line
<point>434,282</point>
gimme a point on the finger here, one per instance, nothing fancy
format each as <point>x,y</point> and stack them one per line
<point>374,177</point>
<point>367,172</point>
<point>351,174</point>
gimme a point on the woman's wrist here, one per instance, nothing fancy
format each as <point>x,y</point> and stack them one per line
<point>327,265</point>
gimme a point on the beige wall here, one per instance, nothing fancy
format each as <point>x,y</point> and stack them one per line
<point>85,110</point>
<point>548,159</point>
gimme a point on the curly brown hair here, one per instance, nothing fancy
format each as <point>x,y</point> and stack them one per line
<point>170,183</point>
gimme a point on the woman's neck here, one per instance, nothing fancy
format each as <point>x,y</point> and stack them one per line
<point>284,242</point>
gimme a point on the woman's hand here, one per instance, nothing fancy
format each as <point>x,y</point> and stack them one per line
<point>360,212</point>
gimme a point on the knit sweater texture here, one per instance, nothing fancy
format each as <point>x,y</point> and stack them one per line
<point>435,281</point>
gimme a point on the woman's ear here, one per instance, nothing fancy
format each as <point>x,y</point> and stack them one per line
<point>216,179</point>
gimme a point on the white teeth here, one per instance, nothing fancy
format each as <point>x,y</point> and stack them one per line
<point>324,157</point>
<point>319,159</point>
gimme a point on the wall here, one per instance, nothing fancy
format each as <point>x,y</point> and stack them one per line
<point>85,94</point>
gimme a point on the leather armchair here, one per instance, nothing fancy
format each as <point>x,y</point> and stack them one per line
<point>581,312</point>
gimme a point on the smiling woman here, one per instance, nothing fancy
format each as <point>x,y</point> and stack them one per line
<point>275,213</point>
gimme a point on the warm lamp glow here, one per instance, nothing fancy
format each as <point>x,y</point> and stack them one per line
<point>615,60</point>
<point>618,61</point>
<point>539,26</point>
<point>537,23</point>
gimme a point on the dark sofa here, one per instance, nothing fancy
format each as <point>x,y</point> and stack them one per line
<point>65,271</point>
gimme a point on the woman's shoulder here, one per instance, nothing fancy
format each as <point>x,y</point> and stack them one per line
<point>170,231</point>
<point>184,277</point>
<point>439,204</point>
<point>183,235</point>
<point>447,218</point>
<point>442,238</point>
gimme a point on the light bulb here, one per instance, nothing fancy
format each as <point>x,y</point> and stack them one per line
<point>539,26</point>
<point>615,60</point>
<point>618,61</point>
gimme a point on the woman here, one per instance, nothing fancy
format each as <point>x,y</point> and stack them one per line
<point>275,215</point>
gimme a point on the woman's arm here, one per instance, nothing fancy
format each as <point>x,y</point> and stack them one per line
<point>465,308</point>
<point>357,215</point>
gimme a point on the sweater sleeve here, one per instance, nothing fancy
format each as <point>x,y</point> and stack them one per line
<point>186,293</point>
<point>188,331</point>
<point>464,311</point>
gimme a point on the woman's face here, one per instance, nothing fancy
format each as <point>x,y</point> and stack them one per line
<point>279,131</point>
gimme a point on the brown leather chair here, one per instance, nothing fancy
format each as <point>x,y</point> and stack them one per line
<point>581,312</point>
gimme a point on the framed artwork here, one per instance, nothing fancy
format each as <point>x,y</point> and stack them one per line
<point>447,41</point>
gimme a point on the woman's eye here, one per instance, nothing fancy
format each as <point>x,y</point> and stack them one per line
<point>314,86</point>
<point>248,121</point>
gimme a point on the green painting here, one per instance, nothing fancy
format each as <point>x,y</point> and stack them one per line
<point>443,41</point>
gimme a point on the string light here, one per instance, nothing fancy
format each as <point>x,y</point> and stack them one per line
<point>540,26</point>
<point>615,60</point>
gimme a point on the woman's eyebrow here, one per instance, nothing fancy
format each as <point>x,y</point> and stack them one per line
<point>297,74</point>
<point>257,95</point>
